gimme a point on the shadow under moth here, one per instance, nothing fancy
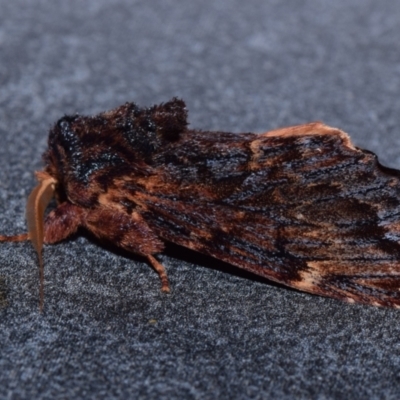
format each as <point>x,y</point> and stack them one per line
<point>301,206</point>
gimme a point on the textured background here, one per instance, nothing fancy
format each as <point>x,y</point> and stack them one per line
<point>107,331</point>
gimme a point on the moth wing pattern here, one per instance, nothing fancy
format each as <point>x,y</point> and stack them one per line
<point>300,206</point>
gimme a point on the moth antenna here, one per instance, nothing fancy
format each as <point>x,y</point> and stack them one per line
<point>38,201</point>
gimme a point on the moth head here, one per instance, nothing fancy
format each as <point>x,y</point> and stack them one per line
<point>63,146</point>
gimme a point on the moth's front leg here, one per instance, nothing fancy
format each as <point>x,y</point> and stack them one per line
<point>62,222</point>
<point>130,232</point>
<point>58,225</point>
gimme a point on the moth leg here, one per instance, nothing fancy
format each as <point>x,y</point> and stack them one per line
<point>59,224</point>
<point>131,233</point>
<point>62,222</point>
<point>161,273</point>
<point>14,238</point>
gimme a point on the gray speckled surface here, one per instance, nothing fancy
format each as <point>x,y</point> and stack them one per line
<point>107,330</point>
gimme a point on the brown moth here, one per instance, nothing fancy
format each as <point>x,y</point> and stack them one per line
<point>301,206</point>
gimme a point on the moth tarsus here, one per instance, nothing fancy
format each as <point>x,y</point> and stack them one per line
<point>159,268</point>
<point>300,205</point>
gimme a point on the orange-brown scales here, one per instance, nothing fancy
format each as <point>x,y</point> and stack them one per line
<point>301,205</point>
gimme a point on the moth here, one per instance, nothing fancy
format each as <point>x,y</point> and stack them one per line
<point>301,206</point>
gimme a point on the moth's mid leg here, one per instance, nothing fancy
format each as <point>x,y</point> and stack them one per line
<point>131,233</point>
<point>161,273</point>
